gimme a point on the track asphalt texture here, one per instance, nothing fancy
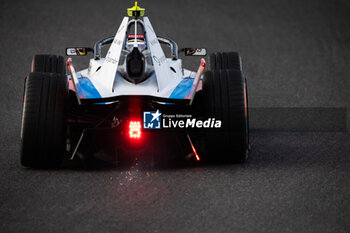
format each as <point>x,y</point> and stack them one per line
<point>296,55</point>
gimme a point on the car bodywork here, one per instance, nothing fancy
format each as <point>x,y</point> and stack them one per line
<point>107,78</point>
<point>110,95</point>
<point>135,102</point>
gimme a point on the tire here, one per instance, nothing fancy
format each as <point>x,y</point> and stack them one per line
<point>43,120</point>
<point>48,64</point>
<point>224,95</point>
<point>225,60</point>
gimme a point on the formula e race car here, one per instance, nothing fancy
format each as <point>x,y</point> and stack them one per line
<point>134,101</point>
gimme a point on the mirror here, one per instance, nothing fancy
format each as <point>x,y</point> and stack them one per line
<point>195,51</point>
<point>78,51</point>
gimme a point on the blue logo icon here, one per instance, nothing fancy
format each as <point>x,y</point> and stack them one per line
<point>151,120</point>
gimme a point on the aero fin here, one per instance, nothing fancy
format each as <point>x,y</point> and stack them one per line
<point>163,72</point>
<point>109,67</point>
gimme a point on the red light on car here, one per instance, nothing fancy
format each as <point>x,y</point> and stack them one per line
<point>135,129</point>
<point>193,149</point>
<point>195,153</point>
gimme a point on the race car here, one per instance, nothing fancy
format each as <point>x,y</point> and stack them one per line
<point>135,101</point>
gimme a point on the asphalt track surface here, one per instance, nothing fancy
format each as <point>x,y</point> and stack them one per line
<point>296,55</point>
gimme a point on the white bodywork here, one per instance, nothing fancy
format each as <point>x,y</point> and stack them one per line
<point>104,78</point>
<point>162,69</point>
<point>168,73</point>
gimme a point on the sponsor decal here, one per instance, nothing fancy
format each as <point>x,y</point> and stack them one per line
<point>117,42</point>
<point>111,60</point>
<point>155,41</point>
<point>159,61</point>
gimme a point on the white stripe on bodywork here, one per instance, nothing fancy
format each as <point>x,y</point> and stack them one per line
<point>161,67</point>
<point>105,77</point>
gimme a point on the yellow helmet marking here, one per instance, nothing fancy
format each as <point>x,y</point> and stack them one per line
<point>136,11</point>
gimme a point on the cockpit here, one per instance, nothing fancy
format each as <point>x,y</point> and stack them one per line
<point>135,64</point>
